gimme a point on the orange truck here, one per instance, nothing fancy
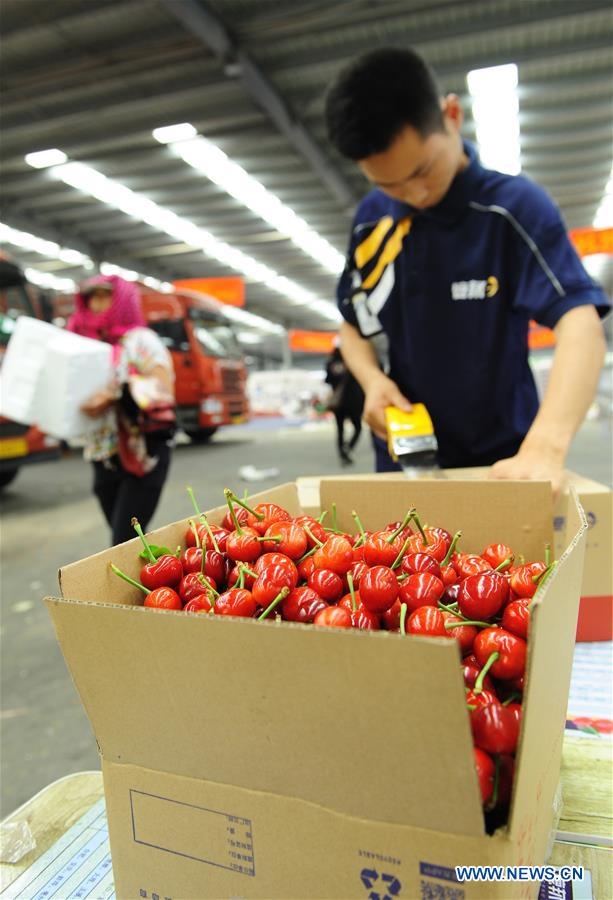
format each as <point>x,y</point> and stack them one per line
<point>211,376</point>
<point>19,444</point>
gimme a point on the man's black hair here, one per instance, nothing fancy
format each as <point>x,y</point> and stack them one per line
<point>376,96</point>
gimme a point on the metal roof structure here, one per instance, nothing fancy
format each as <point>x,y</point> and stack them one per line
<point>95,77</point>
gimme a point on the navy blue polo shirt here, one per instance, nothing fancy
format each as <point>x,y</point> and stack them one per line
<point>454,288</point>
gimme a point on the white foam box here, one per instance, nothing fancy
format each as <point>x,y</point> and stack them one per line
<point>47,373</point>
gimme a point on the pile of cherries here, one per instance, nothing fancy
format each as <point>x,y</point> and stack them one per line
<point>262,562</point>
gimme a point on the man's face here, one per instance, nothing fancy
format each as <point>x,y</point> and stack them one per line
<point>418,170</point>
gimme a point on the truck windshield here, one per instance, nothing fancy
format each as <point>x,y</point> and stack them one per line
<point>172,333</point>
<point>215,337</point>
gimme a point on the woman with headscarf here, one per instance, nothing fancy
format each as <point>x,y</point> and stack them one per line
<point>130,450</point>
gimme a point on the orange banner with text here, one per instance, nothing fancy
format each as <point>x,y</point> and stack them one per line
<point>230,290</point>
<point>312,341</point>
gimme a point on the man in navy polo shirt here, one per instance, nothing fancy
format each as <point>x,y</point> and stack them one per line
<point>451,261</point>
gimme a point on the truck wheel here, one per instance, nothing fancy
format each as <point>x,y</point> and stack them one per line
<point>7,476</point>
<point>201,435</point>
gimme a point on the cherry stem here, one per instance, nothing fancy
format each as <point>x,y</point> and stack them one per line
<point>258,515</point>
<point>358,522</point>
<point>128,579</point>
<point>334,521</point>
<point>209,587</point>
<point>521,559</point>
<point>504,564</point>
<point>478,686</point>
<point>454,612</point>
<point>417,521</point>
<point>202,518</point>
<point>241,577</point>
<point>248,570</point>
<point>280,596</point>
<point>398,559</point>
<point>210,533</point>
<point>315,540</point>
<point>136,526</point>
<point>270,537</point>
<point>452,547</point>
<point>547,555</point>
<point>403,616</point>
<point>352,591</point>
<point>514,696</point>
<point>542,576</point>
<point>449,625</point>
<point>202,561</point>
<point>470,706</point>
<point>401,527</point>
<point>322,516</point>
<point>494,799</point>
<point>237,527</point>
<point>307,554</point>
<point>194,531</point>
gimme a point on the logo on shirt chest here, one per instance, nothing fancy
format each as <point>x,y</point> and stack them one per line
<point>474,289</point>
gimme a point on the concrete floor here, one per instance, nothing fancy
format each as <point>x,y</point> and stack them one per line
<point>49,518</point>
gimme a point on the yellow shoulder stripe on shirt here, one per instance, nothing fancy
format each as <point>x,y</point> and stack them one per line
<point>365,251</point>
<point>391,250</point>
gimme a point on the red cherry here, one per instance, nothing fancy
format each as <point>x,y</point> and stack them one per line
<point>378,589</point>
<point>198,604</point>
<point>428,621</point>
<point>235,602</point>
<point>333,617</point>
<point>486,769</point>
<point>165,572</point>
<point>327,584</point>
<point>421,589</point>
<point>336,554</point>
<point>163,598</point>
<point>302,605</point>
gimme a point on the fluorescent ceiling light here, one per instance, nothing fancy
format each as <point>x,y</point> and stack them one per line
<point>604,213</point>
<point>31,242</point>
<point>48,280</point>
<point>171,133</point>
<point>204,156</point>
<point>113,193</point>
<point>252,320</point>
<point>495,107</point>
<point>42,159</point>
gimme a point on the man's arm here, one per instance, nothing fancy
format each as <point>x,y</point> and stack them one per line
<point>577,361</point>
<point>379,390</point>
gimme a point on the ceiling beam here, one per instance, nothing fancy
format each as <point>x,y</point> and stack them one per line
<point>200,20</point>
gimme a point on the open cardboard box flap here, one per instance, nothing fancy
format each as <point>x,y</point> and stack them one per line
<point>368,724</point>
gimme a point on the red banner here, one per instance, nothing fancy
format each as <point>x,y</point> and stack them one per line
<point>588,241</point>
<point>312,341</point>
<point>230,290</point>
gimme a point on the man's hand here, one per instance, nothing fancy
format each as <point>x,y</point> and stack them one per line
<point>530,465</point>
<point>382,392</point>
<point>98,403</point>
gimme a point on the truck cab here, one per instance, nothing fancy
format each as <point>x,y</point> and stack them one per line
<point>210,372</point>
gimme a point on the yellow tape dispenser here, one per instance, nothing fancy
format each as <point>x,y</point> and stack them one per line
<point>411,439</point>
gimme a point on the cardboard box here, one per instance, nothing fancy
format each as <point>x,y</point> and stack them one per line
<point>595,621</point>
<point>251,759</point>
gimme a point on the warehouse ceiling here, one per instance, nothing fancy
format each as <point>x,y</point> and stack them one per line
<point>93,78</point>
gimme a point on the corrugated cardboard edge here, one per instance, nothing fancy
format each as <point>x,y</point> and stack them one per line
<point>548,675</point>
